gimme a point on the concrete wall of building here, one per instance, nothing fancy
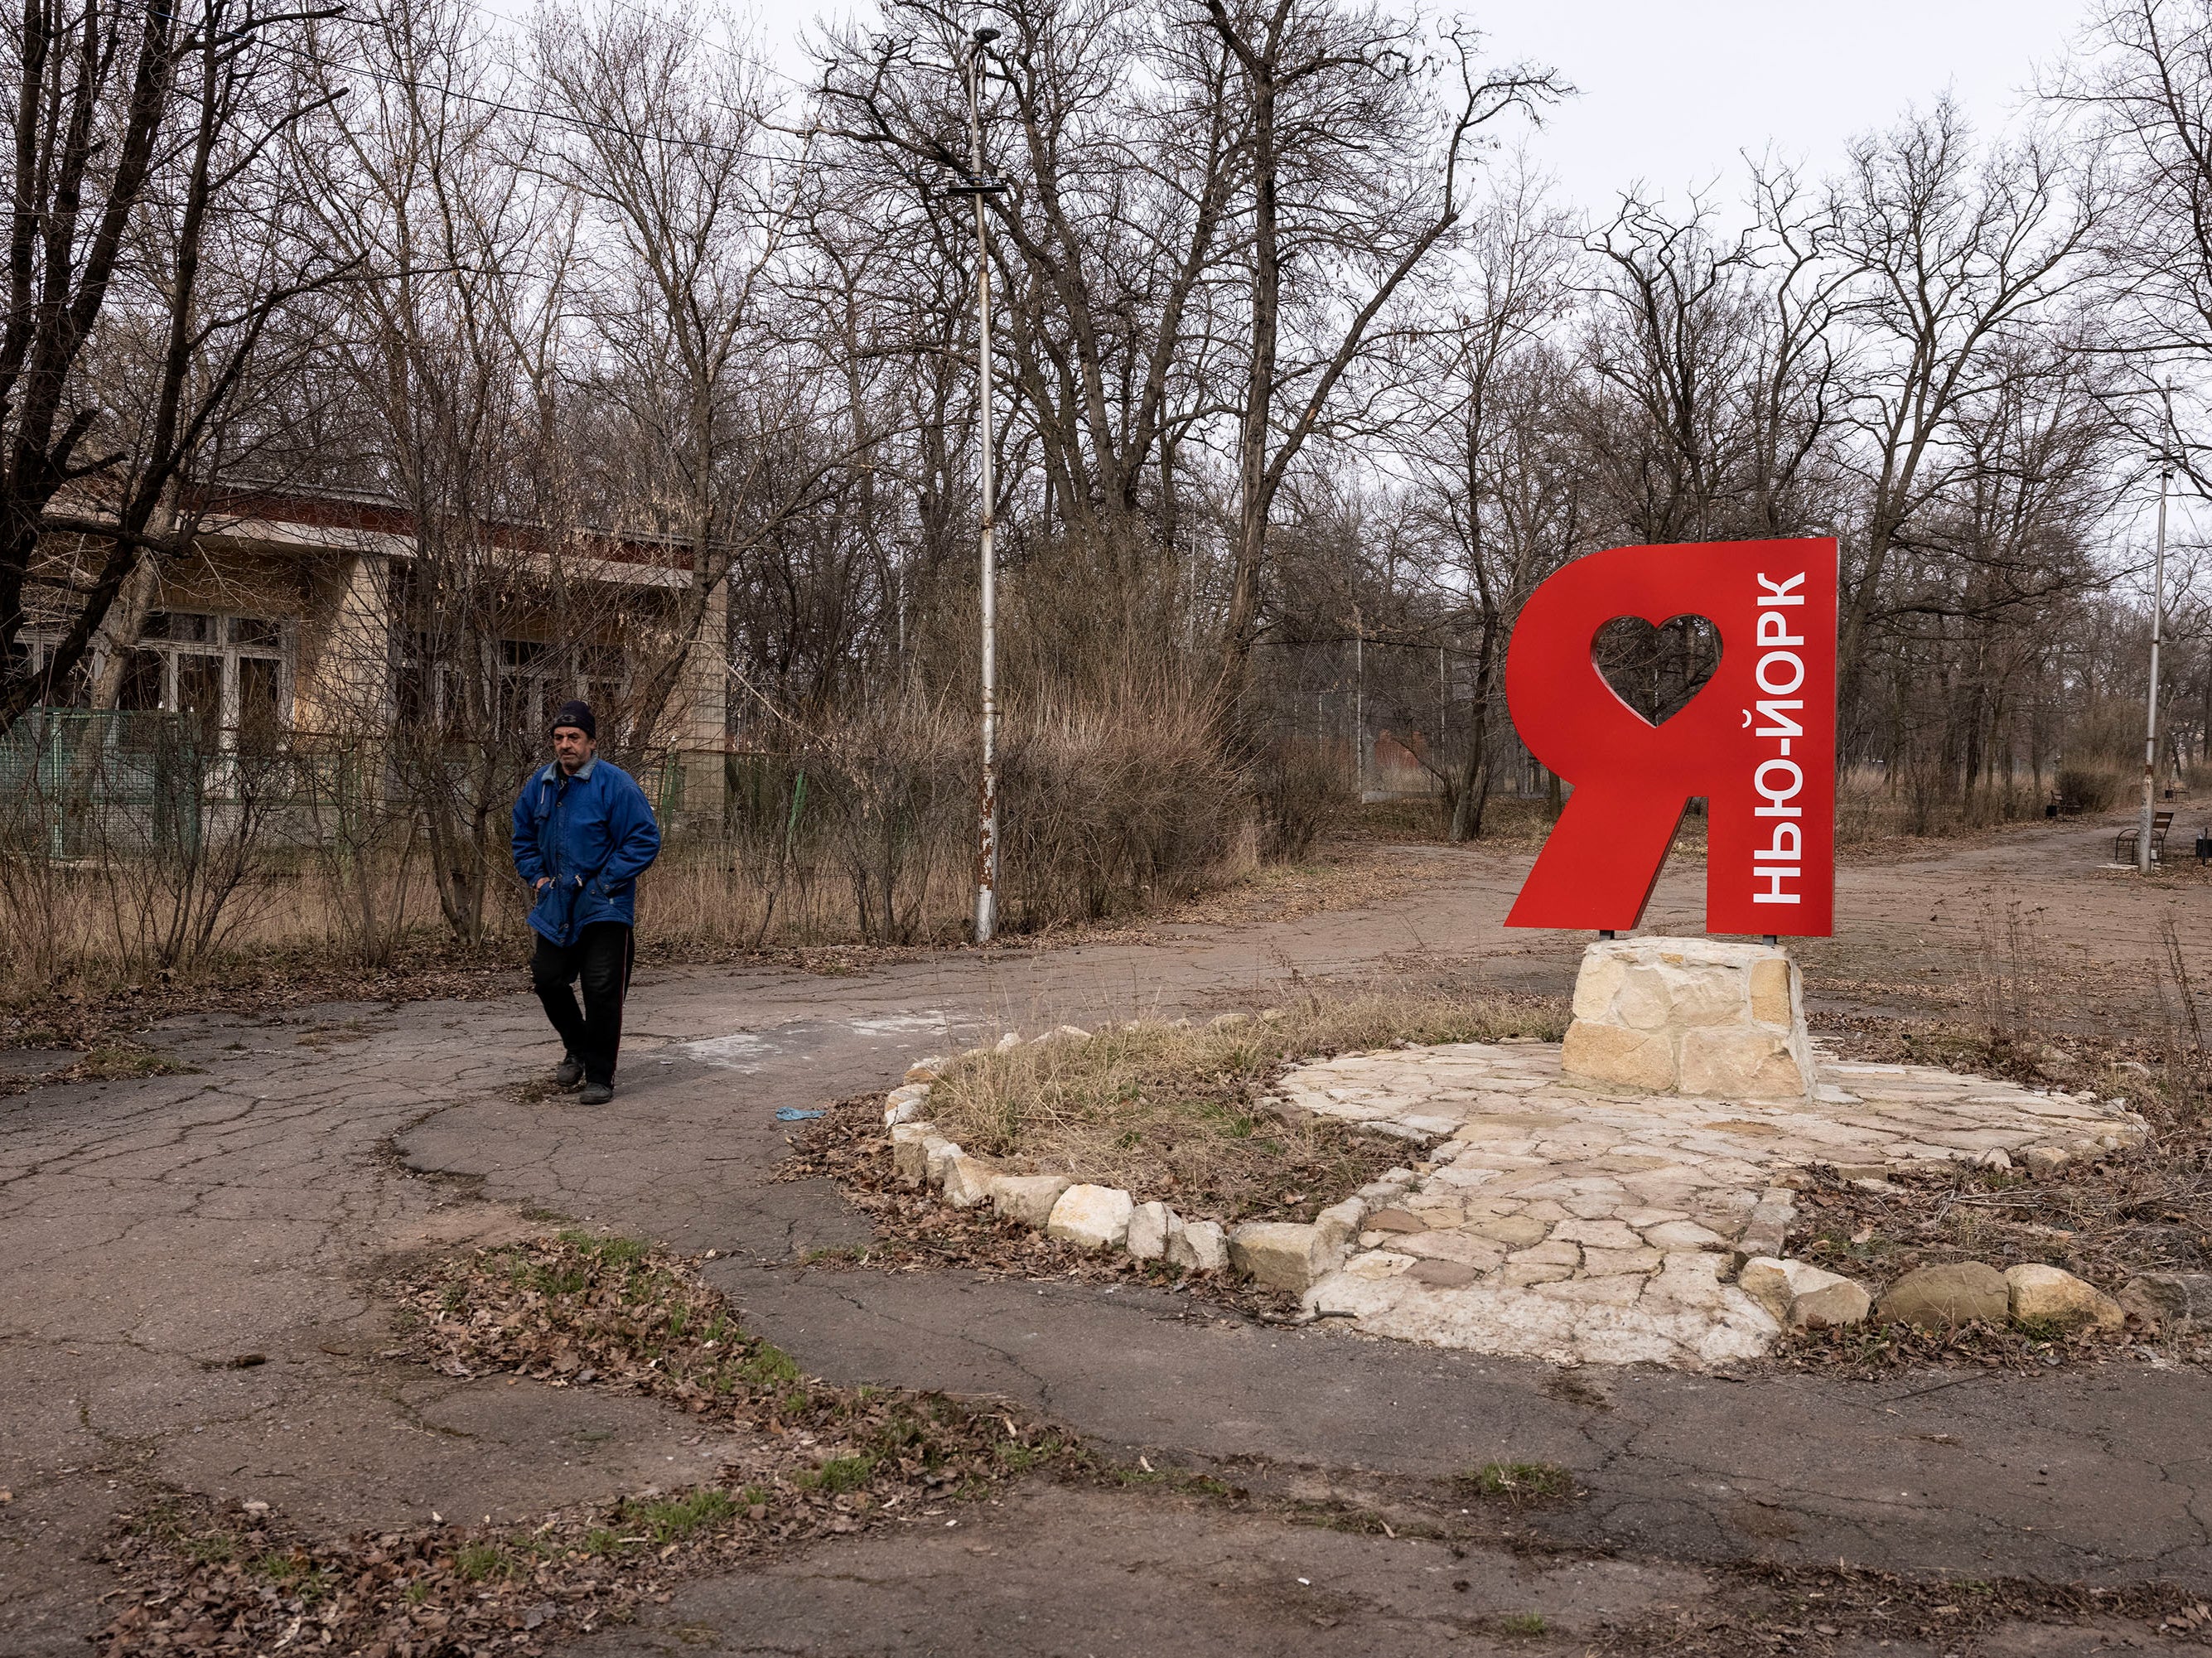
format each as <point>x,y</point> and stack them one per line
<point>343,678</point>
<point>698,727</point>
<point>704,695</point>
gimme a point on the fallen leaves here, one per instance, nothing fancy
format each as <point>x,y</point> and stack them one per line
<point>805,1460</point>
<point>1784,1607</point>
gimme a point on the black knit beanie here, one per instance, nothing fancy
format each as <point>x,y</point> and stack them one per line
<point>578,714</point>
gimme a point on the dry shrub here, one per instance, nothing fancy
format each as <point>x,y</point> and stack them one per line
<point>894,798</point>
<point>1113,805</point>
<point>1302,792</point>
<point>2186,1067</point>
<point>865,828</point>
<point>2092,787</point>
<point>2103,762</point>
<point>2009,976</point>
<point>50,915</point>
<point>359,837</point>
<point>129,846</point>
<point>1872,806</point>
<point>133,853</point>
<point>1866,812</point>
<point>1924,791</point>
<point>768,868</point>
<point>1174,1110</point>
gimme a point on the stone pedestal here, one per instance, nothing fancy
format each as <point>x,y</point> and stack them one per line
<point>1690,1016</point>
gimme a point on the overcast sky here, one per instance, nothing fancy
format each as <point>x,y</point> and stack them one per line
<point>1672,90</point>
<point>1671,93</point>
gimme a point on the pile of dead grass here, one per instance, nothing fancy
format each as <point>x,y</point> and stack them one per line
<point>205,1578</point>
<point>2147,1208</point>
<point>1869,1352</point>
<point>803,1459</point>
<point>2107,1220</point>
<point>575,1309</point>
<point>1177,1111</point>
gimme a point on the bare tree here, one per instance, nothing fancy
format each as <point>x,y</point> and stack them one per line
<point>1955,251</point>
<point>1120,151</point>
<point>666,134</point>
<point>1358,143</point>
<point>1497,473</point>
<point>2144,89</point>
<point>1992,567</point>
<point>1718,388</point>
<point>452,352</point>
<point>153,234</point>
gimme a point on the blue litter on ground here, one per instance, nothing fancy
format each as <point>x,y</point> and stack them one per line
<point>788,1114</point>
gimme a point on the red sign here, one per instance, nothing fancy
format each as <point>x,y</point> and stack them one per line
<point>1758,740</point>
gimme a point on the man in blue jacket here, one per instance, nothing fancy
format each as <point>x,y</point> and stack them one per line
<point>583,834</point>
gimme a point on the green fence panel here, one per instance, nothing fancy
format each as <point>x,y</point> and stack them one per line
<point>82,782</point>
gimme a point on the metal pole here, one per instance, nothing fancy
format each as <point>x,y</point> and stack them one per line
<point>987,828</point>
<point>1358,710</point>
<point>2150,723</point>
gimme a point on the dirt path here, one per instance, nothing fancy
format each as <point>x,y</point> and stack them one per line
<point>192,1259</point>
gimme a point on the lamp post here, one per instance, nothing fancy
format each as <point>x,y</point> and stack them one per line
<point>2157,632</point>
<point>1358,708</point>
<point>979,186</point>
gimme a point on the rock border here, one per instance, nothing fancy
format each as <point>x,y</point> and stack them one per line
<point>1286,1255</point>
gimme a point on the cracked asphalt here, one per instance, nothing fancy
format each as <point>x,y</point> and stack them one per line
<point>189,1297</point>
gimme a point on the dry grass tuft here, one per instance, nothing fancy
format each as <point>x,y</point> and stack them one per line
<point>1177,1110</point>
<point>1518,1485</point>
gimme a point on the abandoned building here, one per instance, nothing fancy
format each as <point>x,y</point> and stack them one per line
<point>310,621</point>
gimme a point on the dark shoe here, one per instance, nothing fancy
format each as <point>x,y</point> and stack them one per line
<point>569,1072</point>
<point>596,1093</point>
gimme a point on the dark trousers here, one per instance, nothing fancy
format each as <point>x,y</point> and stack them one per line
<point>601,958</point>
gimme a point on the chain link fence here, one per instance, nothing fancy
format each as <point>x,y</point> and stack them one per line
<point>80,783</point>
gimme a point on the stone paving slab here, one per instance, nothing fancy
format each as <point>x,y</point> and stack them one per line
<point>1555,1219</point>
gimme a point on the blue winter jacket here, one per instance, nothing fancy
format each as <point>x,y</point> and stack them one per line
<point>593,834</point>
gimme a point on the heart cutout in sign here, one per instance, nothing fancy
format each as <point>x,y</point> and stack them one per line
<point>1656,671</point>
